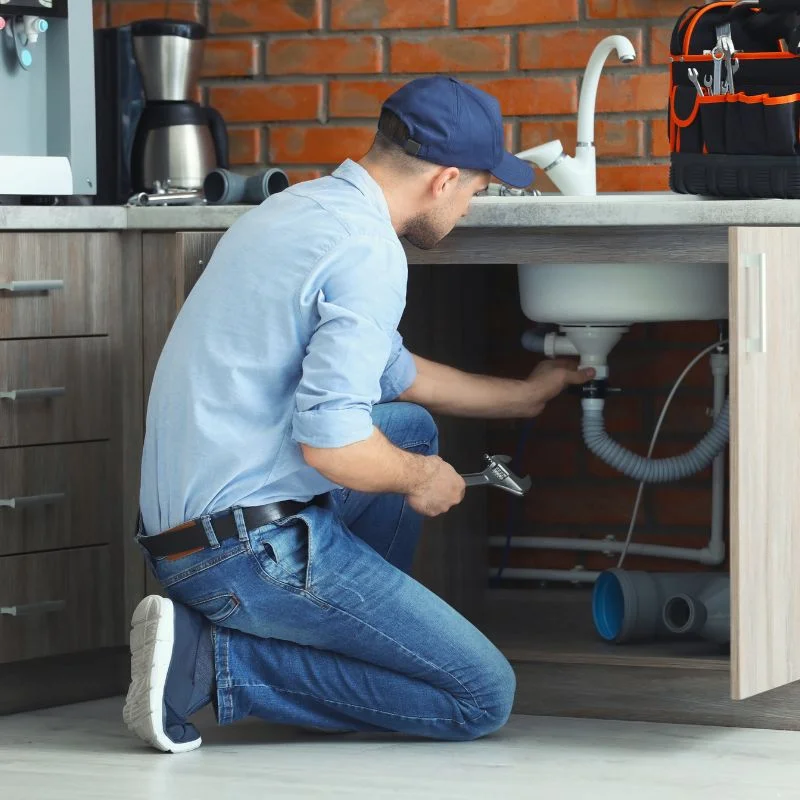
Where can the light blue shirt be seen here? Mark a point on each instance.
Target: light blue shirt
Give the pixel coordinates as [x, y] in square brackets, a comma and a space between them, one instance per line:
[288, 337]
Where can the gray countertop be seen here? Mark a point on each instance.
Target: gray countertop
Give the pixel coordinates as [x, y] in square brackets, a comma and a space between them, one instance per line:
[548, 211]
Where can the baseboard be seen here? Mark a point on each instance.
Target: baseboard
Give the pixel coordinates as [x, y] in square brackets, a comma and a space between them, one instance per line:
[56, 681]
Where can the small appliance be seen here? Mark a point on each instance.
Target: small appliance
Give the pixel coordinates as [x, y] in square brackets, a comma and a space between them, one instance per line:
[153, 137]
[47, 135]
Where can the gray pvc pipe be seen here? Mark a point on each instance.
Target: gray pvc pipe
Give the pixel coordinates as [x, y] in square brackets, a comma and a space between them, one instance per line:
[629, 606]
[705, 613]
[655, 470]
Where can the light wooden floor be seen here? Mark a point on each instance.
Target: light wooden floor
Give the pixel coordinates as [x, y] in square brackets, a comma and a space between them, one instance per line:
[83, 752]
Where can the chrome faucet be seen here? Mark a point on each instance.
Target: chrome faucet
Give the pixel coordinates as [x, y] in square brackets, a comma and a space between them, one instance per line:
[578, 175]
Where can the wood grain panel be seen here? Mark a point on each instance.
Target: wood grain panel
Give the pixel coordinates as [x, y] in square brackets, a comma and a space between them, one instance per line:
[128, 423]
[575, 245]
[83, 261]
[80, 579]
[81, 366]
[765, 459]
[82, 473]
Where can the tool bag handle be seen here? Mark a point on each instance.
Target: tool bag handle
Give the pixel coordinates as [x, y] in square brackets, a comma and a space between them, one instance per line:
[776, 20]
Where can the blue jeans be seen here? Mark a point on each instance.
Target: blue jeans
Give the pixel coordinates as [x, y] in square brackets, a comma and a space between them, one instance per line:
[316, 622]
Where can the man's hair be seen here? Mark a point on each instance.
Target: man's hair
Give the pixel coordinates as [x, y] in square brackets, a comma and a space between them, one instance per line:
[391, 131]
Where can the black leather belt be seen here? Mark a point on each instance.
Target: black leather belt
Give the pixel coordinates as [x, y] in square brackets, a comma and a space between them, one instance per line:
[192, 536]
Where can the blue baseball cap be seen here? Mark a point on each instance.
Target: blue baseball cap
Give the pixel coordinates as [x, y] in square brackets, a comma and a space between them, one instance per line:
[456, 125]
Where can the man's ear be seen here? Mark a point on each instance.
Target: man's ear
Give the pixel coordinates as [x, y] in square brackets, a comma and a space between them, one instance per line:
[444, 180]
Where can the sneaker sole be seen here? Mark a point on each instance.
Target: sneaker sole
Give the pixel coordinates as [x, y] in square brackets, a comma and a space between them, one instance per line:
[152, 637]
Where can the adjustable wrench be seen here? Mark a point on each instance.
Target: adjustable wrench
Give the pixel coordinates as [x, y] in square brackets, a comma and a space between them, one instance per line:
[495, 474]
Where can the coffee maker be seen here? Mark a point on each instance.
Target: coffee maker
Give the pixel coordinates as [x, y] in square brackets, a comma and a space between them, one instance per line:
[153, 137]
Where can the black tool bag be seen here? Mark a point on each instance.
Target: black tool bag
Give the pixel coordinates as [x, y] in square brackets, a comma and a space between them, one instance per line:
[746, 142]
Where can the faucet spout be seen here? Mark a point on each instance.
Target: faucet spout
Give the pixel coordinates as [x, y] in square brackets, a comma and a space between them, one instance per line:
[578, 175]
[591, 79]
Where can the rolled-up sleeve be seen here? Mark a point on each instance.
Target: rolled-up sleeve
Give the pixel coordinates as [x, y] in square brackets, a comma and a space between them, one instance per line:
[359, 301]
[400, 372]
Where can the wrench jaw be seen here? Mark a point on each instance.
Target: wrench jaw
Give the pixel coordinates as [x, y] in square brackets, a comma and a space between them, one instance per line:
[498, 475]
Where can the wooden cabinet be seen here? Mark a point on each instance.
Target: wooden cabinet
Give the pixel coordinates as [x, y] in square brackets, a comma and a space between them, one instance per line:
[69, 460]
[70, 434]
[765, 459]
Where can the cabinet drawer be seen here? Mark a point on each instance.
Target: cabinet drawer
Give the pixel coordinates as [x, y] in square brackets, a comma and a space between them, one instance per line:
[52, 603]
[55, 497]
[62, 390]
[56, 284]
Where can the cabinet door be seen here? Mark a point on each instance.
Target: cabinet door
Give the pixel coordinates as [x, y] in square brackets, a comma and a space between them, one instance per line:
[765, 459]
[172, 263]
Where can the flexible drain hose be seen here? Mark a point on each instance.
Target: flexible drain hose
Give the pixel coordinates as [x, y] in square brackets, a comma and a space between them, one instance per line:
[655, 470]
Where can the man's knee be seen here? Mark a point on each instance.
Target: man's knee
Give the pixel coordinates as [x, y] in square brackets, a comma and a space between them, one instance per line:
[489, 710]
[408, 426]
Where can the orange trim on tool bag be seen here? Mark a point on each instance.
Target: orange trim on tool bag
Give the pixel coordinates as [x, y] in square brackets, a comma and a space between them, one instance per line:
[701, 12]
[781, 99]
[743, 56]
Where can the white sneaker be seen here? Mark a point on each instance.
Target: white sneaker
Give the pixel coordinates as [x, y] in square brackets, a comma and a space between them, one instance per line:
[154, 660]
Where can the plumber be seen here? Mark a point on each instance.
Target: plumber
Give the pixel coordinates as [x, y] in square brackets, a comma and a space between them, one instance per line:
[290, 456]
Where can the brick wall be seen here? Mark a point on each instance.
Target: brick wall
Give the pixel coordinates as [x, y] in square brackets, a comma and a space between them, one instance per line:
[300, 82]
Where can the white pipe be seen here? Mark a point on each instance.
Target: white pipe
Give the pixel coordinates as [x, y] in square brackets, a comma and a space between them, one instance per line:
[551, 344]
[571, 575]
[704, 556]
[716, 544]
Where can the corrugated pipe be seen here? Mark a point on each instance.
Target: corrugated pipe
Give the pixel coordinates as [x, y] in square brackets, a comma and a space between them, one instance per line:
[652, 470]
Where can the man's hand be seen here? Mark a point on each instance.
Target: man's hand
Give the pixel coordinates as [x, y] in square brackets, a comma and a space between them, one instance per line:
[440, 489]
[550, 378]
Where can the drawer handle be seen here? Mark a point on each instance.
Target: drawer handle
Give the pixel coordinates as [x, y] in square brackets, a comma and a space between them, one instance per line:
[45, 607]
[32, 500]
[34, 394]
[31, 286]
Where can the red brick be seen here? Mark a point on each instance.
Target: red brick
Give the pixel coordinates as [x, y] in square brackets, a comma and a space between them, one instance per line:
[617, 9]
[659, 45]
[245, 16]
[583, 504]
[321, 55]
[230, 58]
[701, 333]
[318, 144]
[488, 13]
[359, 98]
[633, 178]
[681, 505]
[530, 96]
[652, 368]
[659, 138]
[451, 53]
[687, 416]
[642, 92]
[122, 13]
[613, 137]
[99, 13]
[380, 14]
[300, 175]
[568, 49]
[244, 145]
[267, 102]
[551, 458]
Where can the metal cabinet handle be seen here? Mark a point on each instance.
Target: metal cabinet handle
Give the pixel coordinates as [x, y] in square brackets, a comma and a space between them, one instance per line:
[33, 394]
[757, 262]
[45, 607]
[31, 286]
[32, 500]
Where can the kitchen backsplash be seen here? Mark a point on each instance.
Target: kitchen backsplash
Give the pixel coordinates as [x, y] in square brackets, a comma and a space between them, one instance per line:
[300, 82]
